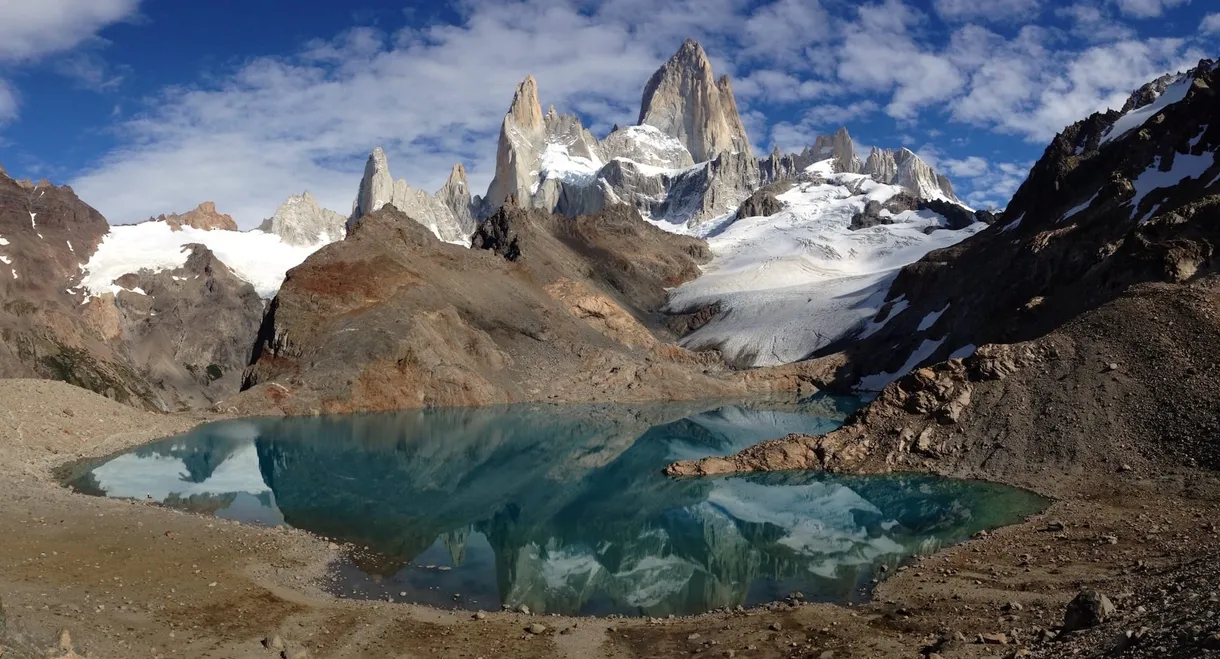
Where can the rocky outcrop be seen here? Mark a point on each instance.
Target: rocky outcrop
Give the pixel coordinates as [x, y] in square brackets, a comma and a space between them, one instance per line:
[204, 217]
[441, 213]
[541, 308]
[763, 203]
[684, 100]
[301, 221]
[189, 330]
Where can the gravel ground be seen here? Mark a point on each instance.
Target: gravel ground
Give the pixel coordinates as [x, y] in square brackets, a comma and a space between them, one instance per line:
[133, 580]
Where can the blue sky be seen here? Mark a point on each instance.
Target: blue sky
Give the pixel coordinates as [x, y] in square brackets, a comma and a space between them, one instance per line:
[151, 106]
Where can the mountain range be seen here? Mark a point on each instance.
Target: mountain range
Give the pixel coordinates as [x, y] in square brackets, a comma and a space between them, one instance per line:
[663, 260]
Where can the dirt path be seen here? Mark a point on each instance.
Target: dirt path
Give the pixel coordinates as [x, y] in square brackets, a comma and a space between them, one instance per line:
[134, 580]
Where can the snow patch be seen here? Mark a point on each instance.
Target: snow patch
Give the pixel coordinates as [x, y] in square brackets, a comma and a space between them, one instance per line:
[262, 259]
[1011, 226]
[70, 248]
[1184, 166]
[3, 242]
[14, 273]
[930, 319]
[964, 352]
[1077, 209]
[882, 380]
[33, 223]
[557, 163]
[874, 326]
[1136, 118]
[1198, 138]
[5, 260]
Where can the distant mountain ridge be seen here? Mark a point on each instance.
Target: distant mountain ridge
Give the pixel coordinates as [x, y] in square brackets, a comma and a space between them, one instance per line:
[687, 161]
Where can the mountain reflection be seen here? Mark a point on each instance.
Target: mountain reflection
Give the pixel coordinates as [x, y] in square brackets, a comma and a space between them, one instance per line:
[563, 508]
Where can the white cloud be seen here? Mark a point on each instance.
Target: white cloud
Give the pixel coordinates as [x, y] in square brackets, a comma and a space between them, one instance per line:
[30, 31]
[277, 125]
[771, 86]
[779, 31]
[1093, 23]
[1147, 8]
[968, 167]
[879, 54]
[8, 102]
[1210, 24]
[995, 10]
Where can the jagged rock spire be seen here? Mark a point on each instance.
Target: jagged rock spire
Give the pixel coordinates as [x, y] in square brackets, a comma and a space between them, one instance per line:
[518, 153]
[840, 147]
[378, 188]
[686, 102]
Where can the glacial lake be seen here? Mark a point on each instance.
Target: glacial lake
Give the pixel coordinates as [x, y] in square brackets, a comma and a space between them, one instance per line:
[563, 508]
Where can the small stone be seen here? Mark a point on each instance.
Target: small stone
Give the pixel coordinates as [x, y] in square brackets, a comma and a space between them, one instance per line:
[479, 615]
[1112, 366]
[273, 643]
[1125, 468]
[1089, 609]
[1013, 606]
[333, 547]
[536, 629]
[775, 627]
[829, 654]
[65, 641]
[993, 639]
[1055, 526]
[523, 609]
[693, 637]
[1111, 539]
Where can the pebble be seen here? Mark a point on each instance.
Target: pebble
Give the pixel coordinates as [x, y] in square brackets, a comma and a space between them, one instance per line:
[523, 609]
[273, 643]
[993, 639]
[537, 629]
[693, 637]
[479, 615]
[775, 627]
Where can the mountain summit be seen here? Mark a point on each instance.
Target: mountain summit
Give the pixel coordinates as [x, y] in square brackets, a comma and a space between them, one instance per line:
[685, 101]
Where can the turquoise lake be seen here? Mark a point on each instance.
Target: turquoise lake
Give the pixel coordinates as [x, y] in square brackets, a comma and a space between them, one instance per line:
[563, 509]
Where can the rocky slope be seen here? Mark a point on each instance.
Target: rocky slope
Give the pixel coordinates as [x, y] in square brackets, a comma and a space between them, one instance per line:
[46, 235]
[145, 314]
[186, 330]
[541, 308]
[1118, 199]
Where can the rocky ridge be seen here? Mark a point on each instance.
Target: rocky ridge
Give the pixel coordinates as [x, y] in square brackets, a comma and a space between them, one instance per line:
[204, 217]
[541, 308]
[1118, 199]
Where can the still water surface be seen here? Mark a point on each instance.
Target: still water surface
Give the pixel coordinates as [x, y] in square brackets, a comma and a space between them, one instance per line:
[563, 508]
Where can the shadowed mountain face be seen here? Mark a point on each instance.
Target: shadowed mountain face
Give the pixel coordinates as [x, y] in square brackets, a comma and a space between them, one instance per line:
[563, 508]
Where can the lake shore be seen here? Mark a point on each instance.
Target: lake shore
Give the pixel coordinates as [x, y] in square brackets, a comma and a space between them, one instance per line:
[134, 580]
